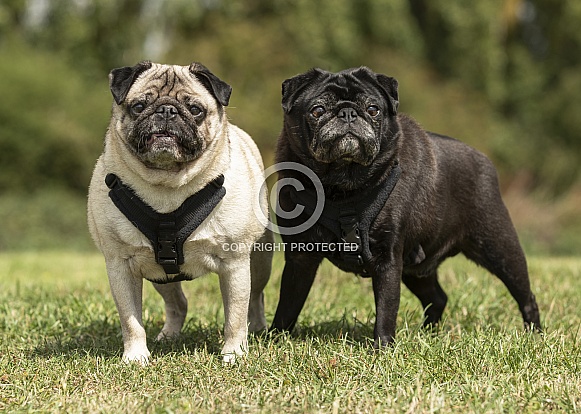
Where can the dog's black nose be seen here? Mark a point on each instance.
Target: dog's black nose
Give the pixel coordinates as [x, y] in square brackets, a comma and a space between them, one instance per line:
[348, 115]
[167, 112]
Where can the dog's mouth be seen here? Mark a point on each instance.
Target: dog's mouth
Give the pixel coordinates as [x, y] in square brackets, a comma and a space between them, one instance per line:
[345, 149]
[165, 147]
[164, 150]
[161, 141]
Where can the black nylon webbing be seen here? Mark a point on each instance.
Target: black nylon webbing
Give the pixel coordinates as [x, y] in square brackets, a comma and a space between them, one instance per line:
[350, 219]
[167, 232]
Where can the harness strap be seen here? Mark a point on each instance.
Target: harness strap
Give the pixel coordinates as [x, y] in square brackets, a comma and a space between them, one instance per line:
[167, 232]
[350, 219]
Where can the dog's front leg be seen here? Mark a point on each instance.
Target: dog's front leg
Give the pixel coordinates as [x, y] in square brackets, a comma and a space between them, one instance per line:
[386, 290]
[127, 293]
[235, 288]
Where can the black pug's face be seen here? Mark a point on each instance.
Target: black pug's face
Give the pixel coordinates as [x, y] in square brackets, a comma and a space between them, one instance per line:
[167, 115]
[341, 118]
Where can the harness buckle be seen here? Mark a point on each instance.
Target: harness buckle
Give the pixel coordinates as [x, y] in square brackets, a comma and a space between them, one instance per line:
[166, 252]
[350, 231]
[350, 234]
[350, 237]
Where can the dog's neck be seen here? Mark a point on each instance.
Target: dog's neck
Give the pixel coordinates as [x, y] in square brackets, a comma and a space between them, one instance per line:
[354, 184]
[345, 182]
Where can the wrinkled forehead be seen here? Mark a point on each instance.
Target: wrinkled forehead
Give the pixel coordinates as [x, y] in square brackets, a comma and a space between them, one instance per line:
[345, 86]
[169, 80]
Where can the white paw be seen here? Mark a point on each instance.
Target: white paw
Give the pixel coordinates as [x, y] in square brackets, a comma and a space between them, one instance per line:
[229, 354]
[137, 356]
[229, 358]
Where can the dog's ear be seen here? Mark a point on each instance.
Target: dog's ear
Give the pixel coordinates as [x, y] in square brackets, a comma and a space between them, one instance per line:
[291, 87]
[389, 86]
[220, 89]
[121, 79]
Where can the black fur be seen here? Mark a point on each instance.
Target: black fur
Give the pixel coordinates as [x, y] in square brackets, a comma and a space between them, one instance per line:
[447, 200]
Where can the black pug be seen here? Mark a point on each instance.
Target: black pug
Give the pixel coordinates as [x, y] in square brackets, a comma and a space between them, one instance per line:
[398, 200]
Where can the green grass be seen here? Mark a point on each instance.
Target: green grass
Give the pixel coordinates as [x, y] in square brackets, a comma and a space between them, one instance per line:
[60, 347]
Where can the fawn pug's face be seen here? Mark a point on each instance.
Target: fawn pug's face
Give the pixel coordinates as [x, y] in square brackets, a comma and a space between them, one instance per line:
[167, 115]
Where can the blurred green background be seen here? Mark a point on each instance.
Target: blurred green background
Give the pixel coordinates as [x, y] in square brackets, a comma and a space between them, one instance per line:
[501, 75]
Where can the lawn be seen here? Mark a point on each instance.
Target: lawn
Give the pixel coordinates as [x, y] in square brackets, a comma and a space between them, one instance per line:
[60, 346]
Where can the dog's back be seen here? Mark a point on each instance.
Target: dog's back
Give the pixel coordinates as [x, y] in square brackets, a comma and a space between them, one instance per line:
[452, 197]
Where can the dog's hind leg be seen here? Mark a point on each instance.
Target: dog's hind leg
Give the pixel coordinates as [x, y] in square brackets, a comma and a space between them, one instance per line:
[430, 293]
[297, 279]
[176, 308]
[496, 248]
[260, 267]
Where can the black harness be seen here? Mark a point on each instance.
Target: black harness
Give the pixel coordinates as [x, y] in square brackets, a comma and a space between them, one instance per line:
[167, 232]
[350, 219]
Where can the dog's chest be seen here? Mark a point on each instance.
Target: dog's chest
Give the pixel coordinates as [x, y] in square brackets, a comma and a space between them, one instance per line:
[201, 256]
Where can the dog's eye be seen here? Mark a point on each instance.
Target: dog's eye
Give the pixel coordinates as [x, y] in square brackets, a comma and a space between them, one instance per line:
[137, 108]
[373, 110]
[195, 110]
[318, 111]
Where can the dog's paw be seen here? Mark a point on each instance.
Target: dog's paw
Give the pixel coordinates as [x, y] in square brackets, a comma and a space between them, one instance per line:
[383, 343]
[229, 359]
[137, 356]
[167, 335]
[230, 355]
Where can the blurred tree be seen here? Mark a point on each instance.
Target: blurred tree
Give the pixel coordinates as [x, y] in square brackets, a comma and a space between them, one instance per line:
[525, 57]
[50, 131]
